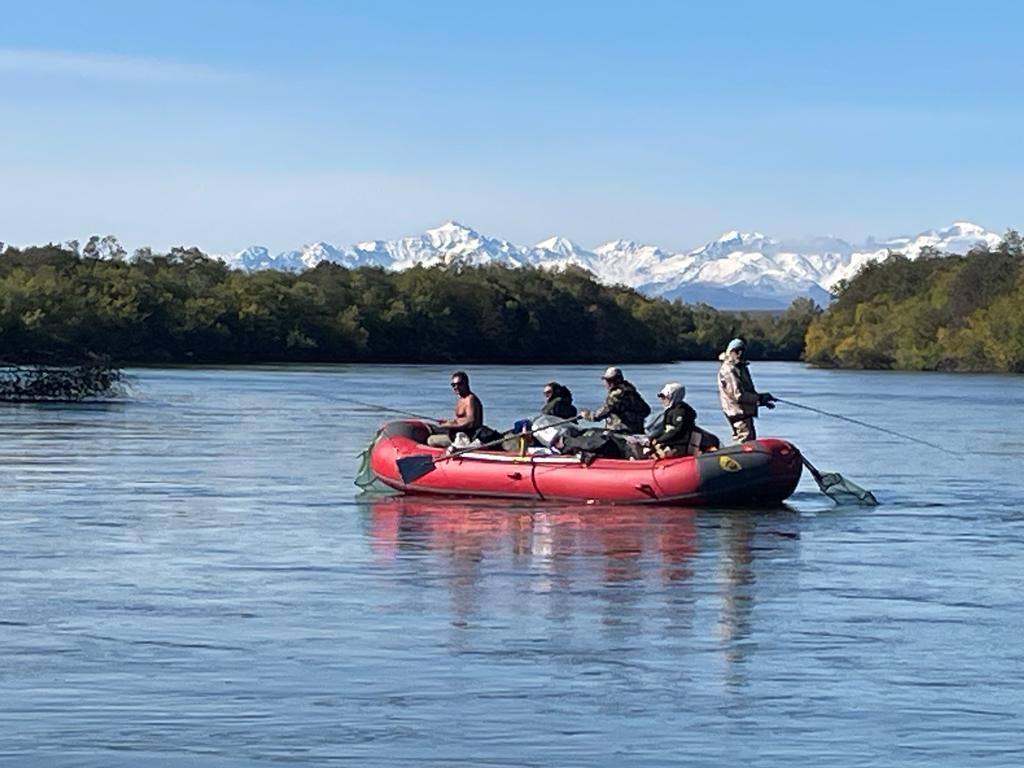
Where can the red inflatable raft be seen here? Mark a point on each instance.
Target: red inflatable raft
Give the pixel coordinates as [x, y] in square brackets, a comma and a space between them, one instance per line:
[759, 472]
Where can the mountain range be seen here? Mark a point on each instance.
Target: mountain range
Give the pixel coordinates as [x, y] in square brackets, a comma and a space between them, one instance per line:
[739, 270]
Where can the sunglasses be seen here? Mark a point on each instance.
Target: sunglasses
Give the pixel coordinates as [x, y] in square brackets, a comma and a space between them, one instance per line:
[456, 384]
[662, 396]
[548, 393]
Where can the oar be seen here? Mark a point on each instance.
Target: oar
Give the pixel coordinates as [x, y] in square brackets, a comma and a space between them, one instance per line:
[865, 424]
[412, 468]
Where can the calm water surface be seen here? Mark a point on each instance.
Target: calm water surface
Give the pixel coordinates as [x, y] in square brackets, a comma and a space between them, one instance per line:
[191, 579]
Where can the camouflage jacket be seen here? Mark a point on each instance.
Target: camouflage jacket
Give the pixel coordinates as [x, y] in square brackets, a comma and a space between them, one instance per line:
[624, 410]
[736, 390]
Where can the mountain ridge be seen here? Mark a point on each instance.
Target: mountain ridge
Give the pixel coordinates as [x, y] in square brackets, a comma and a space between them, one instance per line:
[738, 270]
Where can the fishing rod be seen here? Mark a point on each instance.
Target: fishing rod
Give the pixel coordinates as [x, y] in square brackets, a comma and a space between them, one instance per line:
[375, 406]
[865, 424]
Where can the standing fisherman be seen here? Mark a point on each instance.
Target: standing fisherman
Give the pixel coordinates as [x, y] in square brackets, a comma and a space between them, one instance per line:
[737, 394]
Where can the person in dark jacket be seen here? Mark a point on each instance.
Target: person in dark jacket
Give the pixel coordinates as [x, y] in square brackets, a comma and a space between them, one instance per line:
[558, 401]
[624, 410]
[673, 431]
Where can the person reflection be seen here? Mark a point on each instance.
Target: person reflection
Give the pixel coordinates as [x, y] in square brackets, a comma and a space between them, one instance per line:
[736, 580]
[630, 567]
[558, 547]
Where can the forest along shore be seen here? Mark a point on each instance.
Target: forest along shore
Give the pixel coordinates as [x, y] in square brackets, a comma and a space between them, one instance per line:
[183, 307]
[936, 312]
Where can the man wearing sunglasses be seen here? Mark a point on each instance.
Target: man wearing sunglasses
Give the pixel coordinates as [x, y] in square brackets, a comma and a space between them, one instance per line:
[469, 413]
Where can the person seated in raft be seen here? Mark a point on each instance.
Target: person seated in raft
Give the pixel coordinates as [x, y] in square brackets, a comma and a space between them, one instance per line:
[558, 401]
[468, 418]
[624, 410]
[675, 431]
[671, 431]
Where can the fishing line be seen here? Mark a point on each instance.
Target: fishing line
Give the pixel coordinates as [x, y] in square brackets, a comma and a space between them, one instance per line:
[373, 406]
[869, 426]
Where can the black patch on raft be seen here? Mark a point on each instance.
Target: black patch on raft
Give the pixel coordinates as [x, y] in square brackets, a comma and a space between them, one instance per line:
[733, 475]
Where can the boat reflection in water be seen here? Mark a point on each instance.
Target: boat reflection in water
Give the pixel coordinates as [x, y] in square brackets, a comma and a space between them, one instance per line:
[621, 533]
[685, 580]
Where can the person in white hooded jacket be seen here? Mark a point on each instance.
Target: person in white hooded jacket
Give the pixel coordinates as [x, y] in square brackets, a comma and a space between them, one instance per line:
[670, 434]
[675, 432]
[736, 392]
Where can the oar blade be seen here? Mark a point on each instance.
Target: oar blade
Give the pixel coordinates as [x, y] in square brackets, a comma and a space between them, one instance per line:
[412, 468]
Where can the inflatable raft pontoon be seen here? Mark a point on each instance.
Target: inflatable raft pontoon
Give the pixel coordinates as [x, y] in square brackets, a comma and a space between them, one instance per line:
[762, 471]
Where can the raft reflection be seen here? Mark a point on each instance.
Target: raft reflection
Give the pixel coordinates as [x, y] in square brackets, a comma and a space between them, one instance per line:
[686, 581]
[591, 578]
[622, 535]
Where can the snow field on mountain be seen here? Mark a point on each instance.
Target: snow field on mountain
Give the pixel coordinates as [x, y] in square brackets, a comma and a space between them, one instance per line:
[739, 270]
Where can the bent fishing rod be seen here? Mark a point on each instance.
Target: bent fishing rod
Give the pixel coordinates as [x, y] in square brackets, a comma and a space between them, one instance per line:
[865, 424]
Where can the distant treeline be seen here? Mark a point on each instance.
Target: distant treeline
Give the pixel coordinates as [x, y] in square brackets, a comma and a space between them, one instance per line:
[65, 303]
[937, 312]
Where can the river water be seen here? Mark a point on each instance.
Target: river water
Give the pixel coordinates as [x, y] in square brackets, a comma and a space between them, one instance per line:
[189, 578]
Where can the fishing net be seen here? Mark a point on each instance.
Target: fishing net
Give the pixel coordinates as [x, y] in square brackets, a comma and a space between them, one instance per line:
[841, 490]
[365, 479]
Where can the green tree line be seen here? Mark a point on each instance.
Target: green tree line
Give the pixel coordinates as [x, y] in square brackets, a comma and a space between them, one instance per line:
[936, 312]
[63, 302]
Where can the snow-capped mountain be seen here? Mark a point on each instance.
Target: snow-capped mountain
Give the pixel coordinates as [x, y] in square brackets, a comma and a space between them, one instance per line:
[750, 270]
[738, 270]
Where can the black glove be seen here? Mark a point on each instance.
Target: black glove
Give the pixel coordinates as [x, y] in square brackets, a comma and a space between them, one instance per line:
[766, 399]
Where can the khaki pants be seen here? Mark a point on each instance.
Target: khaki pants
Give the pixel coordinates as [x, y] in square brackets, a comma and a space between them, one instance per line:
[743, 430]
[439, 441]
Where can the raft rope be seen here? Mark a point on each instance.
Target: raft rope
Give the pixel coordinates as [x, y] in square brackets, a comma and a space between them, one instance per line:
[869, 426]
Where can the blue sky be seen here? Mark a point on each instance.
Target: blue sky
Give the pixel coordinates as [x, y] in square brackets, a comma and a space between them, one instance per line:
[230, 123]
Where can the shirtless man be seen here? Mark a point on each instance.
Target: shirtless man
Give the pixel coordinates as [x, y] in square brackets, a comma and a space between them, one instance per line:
[469, 413]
